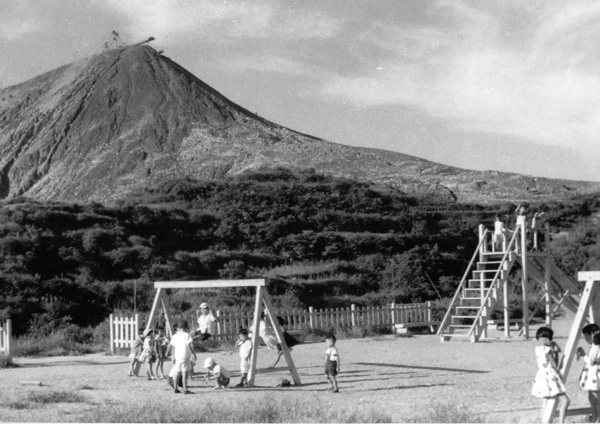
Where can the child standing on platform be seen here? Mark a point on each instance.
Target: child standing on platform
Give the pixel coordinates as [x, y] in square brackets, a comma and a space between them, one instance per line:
[548, 383]
[332, 362]
[245, 345]
[589, 379]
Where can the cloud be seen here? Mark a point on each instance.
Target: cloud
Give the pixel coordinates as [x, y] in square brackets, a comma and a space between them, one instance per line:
[18, 19]
[482, 70]
[212, 20]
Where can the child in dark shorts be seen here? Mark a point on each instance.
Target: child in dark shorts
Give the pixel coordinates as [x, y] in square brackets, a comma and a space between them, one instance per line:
[332, 363]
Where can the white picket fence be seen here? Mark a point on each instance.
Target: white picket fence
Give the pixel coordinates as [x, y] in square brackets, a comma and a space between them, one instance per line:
[5, 337]
[124, 330]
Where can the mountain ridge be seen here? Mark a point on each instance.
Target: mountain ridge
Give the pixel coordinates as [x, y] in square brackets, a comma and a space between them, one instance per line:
[111, 124]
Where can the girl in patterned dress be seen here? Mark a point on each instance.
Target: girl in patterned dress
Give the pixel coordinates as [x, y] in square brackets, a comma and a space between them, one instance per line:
[162, 346]
[548, 384]
[149, 353]
[589, 379]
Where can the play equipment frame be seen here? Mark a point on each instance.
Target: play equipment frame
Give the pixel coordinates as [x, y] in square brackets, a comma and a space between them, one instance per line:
[588, 312]
[263, 302]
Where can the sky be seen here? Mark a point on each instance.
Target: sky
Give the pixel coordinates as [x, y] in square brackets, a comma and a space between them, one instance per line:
[483, 84]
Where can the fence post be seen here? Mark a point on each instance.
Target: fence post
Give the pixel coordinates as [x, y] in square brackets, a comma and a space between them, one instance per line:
[393, 313]
[353, 309]
[219, 322]
[429, 311]
[112, 334]
[311, 317]
[136, 325]
[8, 336]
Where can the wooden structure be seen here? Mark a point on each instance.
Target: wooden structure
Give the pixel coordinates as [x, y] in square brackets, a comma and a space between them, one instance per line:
[123, 331]
[478, 296]
[5, 337]
[263, 302]
[588, 312]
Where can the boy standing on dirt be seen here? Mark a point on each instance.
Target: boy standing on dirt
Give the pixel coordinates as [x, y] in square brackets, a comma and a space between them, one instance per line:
[183, 351]
[332, 363]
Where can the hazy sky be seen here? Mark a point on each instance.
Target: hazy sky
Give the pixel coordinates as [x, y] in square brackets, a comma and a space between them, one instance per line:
[505, 85]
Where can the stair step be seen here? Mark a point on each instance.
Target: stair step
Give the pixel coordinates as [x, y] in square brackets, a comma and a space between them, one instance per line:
[460, 326]
[469, 307]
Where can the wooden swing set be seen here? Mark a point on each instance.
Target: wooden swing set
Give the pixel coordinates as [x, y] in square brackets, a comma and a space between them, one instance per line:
[588, 312]
[263, 302]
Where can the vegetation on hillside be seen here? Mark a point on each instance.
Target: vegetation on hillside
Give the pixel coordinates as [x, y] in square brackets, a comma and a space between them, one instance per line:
[320, 241]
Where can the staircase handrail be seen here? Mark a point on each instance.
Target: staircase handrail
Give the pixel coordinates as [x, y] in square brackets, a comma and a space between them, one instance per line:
[462, 283]
[494, 280]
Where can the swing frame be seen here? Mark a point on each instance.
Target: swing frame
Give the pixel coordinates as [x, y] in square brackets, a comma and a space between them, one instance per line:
[262, 303]
[588, 312]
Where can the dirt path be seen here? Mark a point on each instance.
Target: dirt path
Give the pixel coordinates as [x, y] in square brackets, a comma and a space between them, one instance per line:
[400, 376]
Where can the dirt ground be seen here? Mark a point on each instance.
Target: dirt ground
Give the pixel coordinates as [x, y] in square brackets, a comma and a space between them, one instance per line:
[397, 375]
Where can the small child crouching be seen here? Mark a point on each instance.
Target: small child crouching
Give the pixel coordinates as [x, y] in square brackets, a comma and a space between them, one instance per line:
[216, 372]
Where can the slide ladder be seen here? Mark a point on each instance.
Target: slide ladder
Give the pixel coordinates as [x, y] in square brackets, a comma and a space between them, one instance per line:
[476, 297]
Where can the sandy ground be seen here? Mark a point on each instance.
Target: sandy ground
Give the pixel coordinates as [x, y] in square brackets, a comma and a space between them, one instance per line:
[396, 375]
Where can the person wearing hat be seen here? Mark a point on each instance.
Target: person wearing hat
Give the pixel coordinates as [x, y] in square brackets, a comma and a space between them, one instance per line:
[216, 372]
[206, 322]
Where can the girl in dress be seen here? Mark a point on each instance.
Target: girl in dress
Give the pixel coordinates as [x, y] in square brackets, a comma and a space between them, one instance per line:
[589, 379]
[548, 384]
[149, 353]
[162, 346]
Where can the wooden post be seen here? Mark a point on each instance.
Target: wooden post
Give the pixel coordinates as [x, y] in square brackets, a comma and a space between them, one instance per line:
[524, 279]
[354, 320]
[393, 314]
[548, 286]
[590, 292]
[8, 337]
[112, 333]
[483, 247]
[279, 333]
[505, 307]
[258, 308]
[312, 318]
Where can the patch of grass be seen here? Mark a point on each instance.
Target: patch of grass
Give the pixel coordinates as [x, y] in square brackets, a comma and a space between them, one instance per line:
[445, 413]
[58, 396]
[58, 343]
[85, 387]
[6, 361]
[264, 410]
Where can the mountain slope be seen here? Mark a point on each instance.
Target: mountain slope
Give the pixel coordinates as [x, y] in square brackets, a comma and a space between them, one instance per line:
[102, 127]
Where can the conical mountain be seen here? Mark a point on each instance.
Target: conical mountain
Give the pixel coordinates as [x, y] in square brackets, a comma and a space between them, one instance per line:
[103, 127]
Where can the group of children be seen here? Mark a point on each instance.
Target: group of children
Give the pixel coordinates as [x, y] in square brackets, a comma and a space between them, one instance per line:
[548, 382]
[150, 349]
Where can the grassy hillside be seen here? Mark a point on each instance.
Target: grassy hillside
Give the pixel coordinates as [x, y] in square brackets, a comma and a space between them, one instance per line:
[319, 240]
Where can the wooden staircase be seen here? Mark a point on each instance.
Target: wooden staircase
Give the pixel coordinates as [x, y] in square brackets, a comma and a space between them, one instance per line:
[478, 297]
[487, 274]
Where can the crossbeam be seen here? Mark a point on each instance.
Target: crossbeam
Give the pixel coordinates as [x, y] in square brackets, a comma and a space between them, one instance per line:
[208, 284]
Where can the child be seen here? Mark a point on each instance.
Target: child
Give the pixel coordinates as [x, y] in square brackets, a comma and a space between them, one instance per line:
[162, 345]
[332, 363]
[216, 372]
[548, 383]
[137, 346]
[149, 353]
[589, 379]
[206, 322]
[245, 345]
[183, 352]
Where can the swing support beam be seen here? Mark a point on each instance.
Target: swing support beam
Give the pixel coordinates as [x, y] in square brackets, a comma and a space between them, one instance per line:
[588, 312]
[263, 302]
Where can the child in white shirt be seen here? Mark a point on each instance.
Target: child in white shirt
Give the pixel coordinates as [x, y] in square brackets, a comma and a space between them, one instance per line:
[216, 372]
[245, 345]
[183, 352]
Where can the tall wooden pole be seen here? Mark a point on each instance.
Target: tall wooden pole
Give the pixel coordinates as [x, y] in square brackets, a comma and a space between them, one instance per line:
[524, 278]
